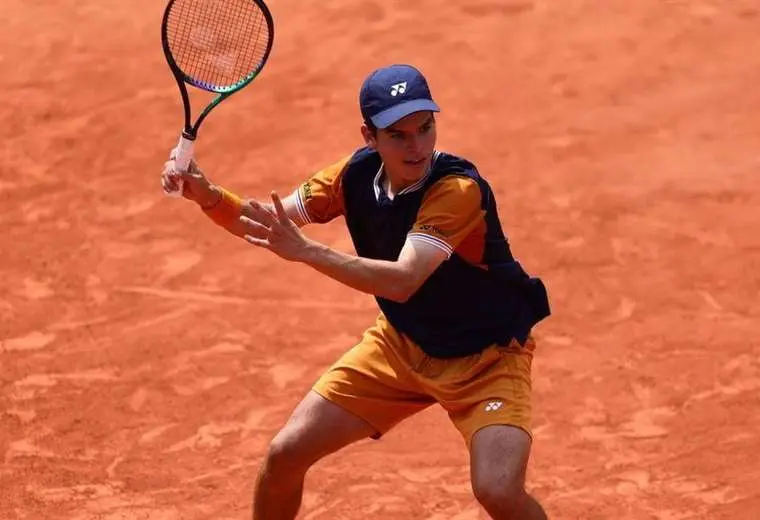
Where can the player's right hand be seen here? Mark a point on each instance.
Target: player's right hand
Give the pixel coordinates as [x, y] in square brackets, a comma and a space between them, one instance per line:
[196, 186]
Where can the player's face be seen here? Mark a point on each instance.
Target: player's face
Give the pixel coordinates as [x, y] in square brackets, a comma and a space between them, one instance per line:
[406, 146]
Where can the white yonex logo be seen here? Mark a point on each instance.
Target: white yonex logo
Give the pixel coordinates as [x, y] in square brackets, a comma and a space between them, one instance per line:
[492, 406]
[398, 88]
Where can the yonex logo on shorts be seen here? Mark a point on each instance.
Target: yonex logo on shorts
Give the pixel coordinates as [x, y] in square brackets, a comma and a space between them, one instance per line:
[492, 406]
[398, 88]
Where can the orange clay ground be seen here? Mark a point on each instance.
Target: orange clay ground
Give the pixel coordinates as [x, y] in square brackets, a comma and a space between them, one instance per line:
[147, 357]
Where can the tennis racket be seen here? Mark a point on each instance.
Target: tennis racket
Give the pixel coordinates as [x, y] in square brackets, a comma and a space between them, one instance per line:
[219, 46]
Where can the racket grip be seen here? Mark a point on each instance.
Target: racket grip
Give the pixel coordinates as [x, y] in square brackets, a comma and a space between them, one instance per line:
[183, 154]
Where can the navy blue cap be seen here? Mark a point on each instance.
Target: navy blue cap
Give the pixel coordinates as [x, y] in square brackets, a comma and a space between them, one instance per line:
[394, 92]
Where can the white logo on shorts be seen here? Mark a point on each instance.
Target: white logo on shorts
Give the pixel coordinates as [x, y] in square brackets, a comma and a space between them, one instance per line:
[398, 88]
[492, 406]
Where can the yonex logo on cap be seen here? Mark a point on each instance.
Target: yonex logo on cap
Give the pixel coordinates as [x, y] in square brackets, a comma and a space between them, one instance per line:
[391, 93]
[398, 88]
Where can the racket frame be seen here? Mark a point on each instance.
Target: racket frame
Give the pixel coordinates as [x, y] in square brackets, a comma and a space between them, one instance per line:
[184, 148]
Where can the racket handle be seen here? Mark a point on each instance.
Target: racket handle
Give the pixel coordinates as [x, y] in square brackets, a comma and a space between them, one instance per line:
[183, 154]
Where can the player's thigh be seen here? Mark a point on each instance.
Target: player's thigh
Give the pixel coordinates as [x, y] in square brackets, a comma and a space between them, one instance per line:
[316, 428]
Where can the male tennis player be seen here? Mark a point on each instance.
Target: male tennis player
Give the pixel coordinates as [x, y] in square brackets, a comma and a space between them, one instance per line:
[456, 308]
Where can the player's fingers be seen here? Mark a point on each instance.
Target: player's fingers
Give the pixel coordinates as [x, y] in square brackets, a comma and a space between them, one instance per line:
[193, 168]
[186, 175]
[279, 208]
[261, 242]
[255, 228]
[261, 214]
[175, 176]
[168, 180]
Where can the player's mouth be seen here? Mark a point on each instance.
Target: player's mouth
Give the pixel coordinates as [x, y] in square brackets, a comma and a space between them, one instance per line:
[418, 162]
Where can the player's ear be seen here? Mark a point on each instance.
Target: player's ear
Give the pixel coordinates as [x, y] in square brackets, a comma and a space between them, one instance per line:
[370, 136]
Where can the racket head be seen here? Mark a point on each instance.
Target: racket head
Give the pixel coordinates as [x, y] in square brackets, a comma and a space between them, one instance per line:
[217, 45]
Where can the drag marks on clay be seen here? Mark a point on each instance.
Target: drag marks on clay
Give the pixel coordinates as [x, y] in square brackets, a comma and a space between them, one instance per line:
[319, 509]
[643, 424]
[738, 376]
[423, 475]
[86, 377]
[32, 341]
[23, 416]
[34, 289]
[212, 435]
[154, 433]
[78, 492]
[248, 467]
[70, 324]
[498, 8]
[209, 436]
[26, 448]
[36, 386]
[160, 319]
[198, 385]
[284, 374]
[469, 513]
[138, 399]
[625, 309]
[178, 263]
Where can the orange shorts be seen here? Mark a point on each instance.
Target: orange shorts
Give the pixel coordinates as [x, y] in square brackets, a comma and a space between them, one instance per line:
[387, 378]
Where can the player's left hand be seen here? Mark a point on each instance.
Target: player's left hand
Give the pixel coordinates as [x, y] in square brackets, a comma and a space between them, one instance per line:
[273, 230]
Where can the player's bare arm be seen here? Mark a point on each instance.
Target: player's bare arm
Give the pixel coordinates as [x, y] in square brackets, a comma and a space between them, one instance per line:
[198, 188]
[395, 280]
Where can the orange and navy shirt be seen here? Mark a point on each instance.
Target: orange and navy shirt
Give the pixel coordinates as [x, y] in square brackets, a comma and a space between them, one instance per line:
[480, 295]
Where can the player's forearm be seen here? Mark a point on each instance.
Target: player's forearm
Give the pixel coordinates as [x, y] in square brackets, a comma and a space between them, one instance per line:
[225, 209]
[377, 277]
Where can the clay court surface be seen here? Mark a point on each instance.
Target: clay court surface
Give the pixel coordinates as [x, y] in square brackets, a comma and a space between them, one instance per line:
[147, 357]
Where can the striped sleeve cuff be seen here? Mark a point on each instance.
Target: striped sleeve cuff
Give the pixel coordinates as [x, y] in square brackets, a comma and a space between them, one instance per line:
[433, 241]
[301, 207]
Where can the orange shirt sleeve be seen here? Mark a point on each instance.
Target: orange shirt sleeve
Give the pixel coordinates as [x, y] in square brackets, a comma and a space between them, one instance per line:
[320, 198]
[450, 212]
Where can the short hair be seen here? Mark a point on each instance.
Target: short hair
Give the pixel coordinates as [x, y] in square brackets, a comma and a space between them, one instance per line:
[371, 126]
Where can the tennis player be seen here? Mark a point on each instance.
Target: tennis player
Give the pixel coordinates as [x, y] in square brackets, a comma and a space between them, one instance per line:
[456, 308]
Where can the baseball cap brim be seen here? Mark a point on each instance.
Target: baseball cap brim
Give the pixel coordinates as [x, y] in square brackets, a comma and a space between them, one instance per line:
[387, 117]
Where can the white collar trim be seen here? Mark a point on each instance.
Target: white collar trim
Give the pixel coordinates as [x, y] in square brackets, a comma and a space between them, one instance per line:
[377, 183]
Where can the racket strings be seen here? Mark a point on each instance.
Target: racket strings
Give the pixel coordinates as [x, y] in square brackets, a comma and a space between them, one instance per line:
[218, 43]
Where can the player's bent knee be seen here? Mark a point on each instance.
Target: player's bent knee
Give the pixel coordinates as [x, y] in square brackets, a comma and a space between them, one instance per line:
[287, 455]
[499, 497]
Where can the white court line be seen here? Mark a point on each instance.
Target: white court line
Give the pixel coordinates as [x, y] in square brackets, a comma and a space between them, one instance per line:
[188, 296]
